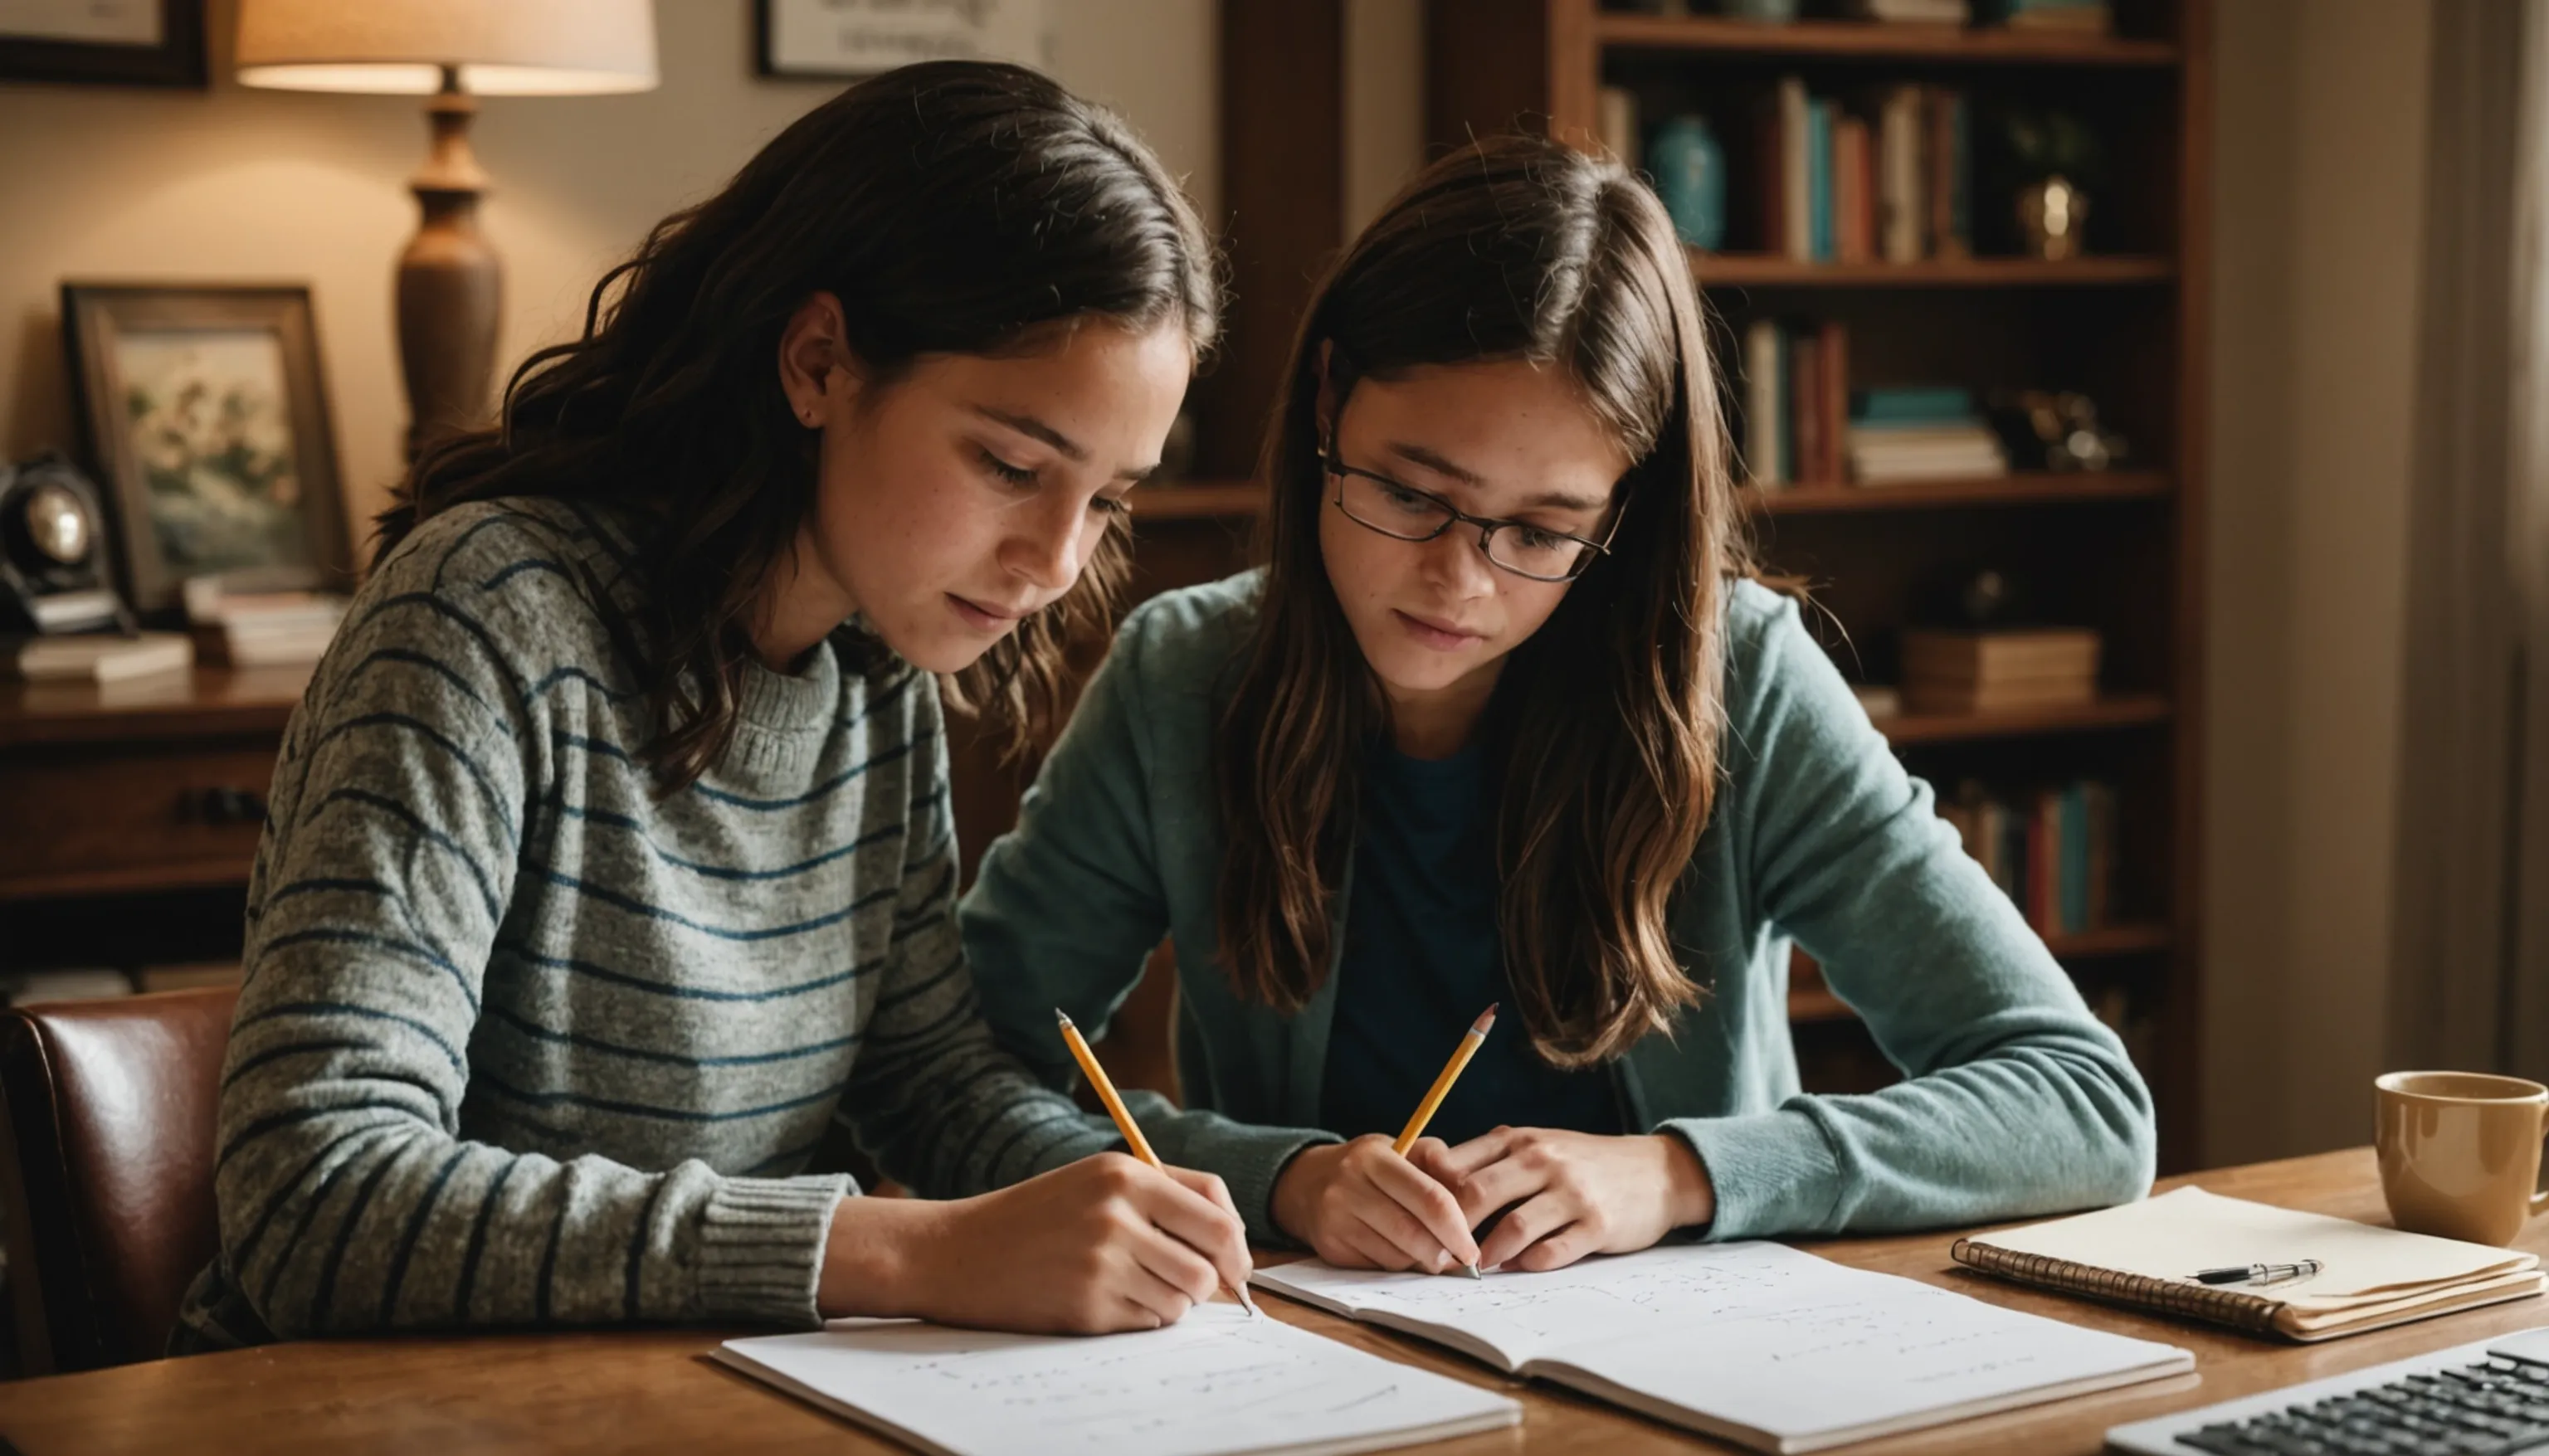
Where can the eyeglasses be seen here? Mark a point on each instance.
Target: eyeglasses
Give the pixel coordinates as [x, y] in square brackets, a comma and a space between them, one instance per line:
[1378, 504]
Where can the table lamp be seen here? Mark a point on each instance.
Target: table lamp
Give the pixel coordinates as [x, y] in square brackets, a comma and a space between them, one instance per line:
[449, 283]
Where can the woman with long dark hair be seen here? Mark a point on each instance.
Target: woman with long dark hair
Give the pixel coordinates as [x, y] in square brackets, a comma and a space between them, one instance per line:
[611, 857]
[1506, 717]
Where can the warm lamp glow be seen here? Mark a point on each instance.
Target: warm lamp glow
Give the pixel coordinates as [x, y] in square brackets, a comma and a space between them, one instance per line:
[497, 48]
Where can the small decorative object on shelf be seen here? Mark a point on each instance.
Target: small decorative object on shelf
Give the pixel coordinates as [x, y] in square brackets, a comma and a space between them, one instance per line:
[1768, 12]
[1912, 12]
[1689, 169]
[2056, 430]
[1616, 125]
[2050, 158]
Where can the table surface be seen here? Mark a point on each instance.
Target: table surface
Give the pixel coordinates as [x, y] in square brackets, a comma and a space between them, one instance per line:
[657, 1390]
[195, 703]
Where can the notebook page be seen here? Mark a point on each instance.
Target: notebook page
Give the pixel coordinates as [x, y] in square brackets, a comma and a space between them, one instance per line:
[1214, 1384]
[1525, 1316]
[2172, 1235]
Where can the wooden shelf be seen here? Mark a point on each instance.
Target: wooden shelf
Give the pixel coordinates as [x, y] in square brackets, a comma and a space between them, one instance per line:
[1199, 500]
[1764, 270]
[2113, 713]
[2028, 489]
[1867, 41]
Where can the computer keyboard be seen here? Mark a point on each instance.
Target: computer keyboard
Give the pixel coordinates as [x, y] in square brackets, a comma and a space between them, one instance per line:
[2489, 1397]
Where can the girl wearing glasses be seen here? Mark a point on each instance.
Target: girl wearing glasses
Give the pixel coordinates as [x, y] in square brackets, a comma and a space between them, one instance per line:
[1506, 719]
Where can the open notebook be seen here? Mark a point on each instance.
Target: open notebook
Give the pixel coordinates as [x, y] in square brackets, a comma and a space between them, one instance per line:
[1756, 1344]
[2141, 1255]
[1215, 1382]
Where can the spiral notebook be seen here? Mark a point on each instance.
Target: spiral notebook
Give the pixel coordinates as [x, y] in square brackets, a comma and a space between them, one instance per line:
[2142, 1255]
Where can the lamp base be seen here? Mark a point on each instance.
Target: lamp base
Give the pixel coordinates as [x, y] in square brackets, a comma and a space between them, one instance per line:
[451, 285]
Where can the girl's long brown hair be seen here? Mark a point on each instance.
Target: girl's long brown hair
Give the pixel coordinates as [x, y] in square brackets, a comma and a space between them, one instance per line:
[1604, 728]
[953, 208]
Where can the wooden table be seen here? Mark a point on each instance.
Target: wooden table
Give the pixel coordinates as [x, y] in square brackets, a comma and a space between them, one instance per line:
[656, 1389]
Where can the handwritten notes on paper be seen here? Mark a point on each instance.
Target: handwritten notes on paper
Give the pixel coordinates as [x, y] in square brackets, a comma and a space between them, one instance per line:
[1216, 1382]
[1754, 1341]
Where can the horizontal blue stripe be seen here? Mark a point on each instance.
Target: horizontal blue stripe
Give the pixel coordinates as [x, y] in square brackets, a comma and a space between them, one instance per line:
[276, 1121]
[611, 819]
[635, 906]
[541, 958]
[820, 790]
[895, 995]
[424, 660]
[435, 735]
[366, 1013]
[336, 935]
[432, 602]
[530, 564]
[556, 675]
[432, 835]
[540, 1033]
[644, 1109]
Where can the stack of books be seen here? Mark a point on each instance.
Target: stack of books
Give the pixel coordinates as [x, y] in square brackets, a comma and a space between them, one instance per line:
[1905, 435]
[2053, 852]
[1796, 401]
[2009, 670]
[2069, 17]
[1893, 180]
[260, 628]
[1912, 12]
[94, 657]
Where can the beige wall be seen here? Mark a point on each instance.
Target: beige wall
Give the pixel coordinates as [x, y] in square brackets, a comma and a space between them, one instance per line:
[2319, 181]
[238, 184]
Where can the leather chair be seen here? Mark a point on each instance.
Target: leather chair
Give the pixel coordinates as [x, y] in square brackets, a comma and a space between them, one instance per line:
[107, 1169]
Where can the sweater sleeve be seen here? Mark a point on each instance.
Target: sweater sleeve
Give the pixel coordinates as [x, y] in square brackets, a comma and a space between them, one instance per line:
[2017, 1101]
[349, 1201]
[932, 1099]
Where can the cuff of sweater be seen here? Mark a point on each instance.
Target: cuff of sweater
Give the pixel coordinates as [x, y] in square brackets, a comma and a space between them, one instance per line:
[1773, 1172]
[761, 1249]
[1249, 1160]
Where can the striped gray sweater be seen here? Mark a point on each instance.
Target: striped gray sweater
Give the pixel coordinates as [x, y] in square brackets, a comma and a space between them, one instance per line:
[523, 1044]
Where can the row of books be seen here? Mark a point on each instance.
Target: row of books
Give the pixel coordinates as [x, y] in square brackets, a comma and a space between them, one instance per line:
[1802, 422]
[260, 628]
[1890, 180]
[2051, 850]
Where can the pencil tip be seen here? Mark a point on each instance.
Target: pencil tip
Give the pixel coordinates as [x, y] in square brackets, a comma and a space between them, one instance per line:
[1062, 1016]
[1486, 1019]
[1472, 1271]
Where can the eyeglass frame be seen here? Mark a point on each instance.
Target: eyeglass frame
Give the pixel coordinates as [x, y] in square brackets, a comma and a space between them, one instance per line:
[1487, 525]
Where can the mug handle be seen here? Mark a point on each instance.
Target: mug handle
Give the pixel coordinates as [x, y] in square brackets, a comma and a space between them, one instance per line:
[2540, 1198]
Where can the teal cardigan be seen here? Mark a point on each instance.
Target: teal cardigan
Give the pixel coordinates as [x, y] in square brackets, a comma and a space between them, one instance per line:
[2017, 1101]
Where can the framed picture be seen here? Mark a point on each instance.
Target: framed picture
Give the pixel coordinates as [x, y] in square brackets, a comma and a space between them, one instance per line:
[116, 42]
[206, 416]
[840, 40]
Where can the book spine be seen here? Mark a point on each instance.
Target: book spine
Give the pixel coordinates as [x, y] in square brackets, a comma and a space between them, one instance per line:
[2221, 1306]
[1796, 203]
[2075, 859]
[1805, 390]
[1819, 174]
[1761, 401]
[1786, 380]
[1835, 398]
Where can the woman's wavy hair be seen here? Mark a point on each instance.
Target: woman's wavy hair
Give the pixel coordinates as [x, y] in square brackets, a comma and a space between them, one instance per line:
[1603, 732]
[953, 207]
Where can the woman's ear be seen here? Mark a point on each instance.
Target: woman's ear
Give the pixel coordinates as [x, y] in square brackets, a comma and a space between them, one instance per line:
[816, 370]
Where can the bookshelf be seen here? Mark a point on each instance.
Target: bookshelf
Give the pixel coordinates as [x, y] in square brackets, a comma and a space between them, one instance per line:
[2120, 551]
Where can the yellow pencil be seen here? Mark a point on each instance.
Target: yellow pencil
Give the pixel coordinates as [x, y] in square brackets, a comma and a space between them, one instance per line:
[1124, 1122]
[1442, 1088]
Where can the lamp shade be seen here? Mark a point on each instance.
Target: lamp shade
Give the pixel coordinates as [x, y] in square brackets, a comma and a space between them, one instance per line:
[500, 47]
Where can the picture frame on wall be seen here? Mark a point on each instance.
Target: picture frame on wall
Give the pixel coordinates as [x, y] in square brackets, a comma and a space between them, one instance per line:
[204, 413]
[108, 42]
[844, 40]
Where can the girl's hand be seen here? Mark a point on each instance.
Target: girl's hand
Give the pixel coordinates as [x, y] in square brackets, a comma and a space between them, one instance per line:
[1361, 1206]
[1104, 1245]
[1572, 1194]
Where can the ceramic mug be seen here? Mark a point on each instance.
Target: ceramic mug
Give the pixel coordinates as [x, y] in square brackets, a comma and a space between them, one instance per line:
[2460, 1152]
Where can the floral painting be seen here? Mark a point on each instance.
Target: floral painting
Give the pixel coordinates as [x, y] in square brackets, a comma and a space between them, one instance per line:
[208, 419]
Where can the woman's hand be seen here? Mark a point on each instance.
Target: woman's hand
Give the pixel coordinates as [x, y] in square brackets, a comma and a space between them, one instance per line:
[1570, 1194]
[1104, 1245]
[1361, 1206]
